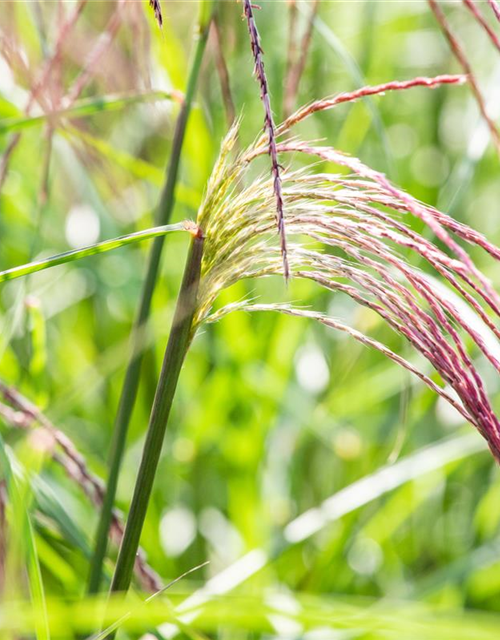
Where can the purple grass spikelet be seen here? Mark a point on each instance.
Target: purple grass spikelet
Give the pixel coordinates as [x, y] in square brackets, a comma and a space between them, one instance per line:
[156, 6]
[484, 24]
[270, 128]
[461, 57]
[496, 8]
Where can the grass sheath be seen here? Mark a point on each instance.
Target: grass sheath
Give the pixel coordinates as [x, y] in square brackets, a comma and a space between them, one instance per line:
[177, 346]
[131, 381]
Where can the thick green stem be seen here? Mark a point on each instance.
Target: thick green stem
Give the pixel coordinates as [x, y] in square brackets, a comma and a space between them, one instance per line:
[131, 381]
[178, 344]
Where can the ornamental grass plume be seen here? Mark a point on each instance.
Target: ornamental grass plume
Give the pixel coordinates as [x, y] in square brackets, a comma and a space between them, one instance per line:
[352, 234]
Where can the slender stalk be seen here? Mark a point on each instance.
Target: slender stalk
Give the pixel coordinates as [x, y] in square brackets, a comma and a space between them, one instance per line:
[156, 6]
[223, 73]
[131, 382]
[297, 69]
[270, 129]
[178, 344]
[482, 21]
[462, 59]
[86, 107]
[291, 54]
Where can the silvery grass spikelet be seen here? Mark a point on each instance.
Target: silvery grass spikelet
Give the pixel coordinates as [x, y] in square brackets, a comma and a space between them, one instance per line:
[432, 295]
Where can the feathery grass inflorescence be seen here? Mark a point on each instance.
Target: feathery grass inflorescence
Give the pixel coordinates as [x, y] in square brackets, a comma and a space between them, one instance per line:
[20, 413]
[461, 56]
[55, 59]
[270, 130]
[365, 92]
[354, 237]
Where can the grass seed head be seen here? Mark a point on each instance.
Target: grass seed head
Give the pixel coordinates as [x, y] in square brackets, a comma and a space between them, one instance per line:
[351, 233]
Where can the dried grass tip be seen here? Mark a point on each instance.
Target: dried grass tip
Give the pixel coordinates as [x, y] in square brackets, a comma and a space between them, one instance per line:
[156, 6]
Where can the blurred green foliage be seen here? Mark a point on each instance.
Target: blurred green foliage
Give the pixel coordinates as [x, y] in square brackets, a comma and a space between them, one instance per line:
[273, 415]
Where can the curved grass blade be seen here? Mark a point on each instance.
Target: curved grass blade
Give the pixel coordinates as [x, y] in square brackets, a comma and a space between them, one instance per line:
[116, 625]
[20, 413]
[36, 584]
[22, 534]
[85, 108]
[77, 254]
